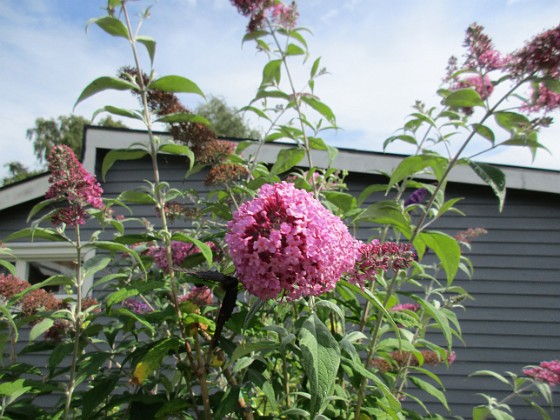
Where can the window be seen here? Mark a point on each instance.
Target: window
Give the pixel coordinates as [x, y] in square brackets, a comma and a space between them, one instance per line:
[35, 262]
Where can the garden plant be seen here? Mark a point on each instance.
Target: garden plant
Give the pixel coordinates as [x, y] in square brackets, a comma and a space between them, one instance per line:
[268, 305]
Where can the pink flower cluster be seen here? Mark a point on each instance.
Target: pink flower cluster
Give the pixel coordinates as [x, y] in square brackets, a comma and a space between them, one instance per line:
[481, 55]
[414, 307]
[285, 244]
[540, 56]
[179, 251]
[482, 84]
[259, 11]
[548, 372]
[199, 295]
[543, 100]
[377, 256]
[71, 182]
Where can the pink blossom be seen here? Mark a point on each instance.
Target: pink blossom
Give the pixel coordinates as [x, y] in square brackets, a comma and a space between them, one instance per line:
[199, 295]
[72, 183]
[540, 56]
[481, 55]
[285, 244]
[414, 307]
[483, 85]
[548, 372]
[376, 256]
[259, 11]
[179, 251]
[543, 100]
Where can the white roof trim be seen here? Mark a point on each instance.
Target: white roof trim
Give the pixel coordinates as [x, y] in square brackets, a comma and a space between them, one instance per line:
[351, 160]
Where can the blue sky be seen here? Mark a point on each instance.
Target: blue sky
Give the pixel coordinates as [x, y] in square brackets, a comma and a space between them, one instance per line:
[381, 57]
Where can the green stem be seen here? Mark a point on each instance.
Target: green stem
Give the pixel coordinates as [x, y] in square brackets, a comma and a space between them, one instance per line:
[372, 347]
[77, 325]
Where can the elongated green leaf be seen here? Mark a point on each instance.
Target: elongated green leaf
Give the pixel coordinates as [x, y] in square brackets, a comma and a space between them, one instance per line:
[120, 154]
[463, 98]
[246, 348]
[294, 50]
[176, 84]
[320, 107]
[388, 212]
[110, 25]
[261, 94]
[183, 117]
[321, 359]
[125, 312]
[57, 280]
[105, 83]
[40, 206]
[490, 373]
[95, 264]
[511, 121]
[440, 319]
[205, 250]
[128, 113]
[36, 232]
[8, 266]
[120, 295]
[494, 177]
[153, 358]
[135, 238]
[430, 389]
[484, 131]
[9, 318]
[415, 164]
[40, 328]
[115, 247]
[14, 389]
[447, 250]
[404, 137]
[95, 396]
[287, 159]
[343, 201]
[180, 150]
[136, 197]
[315, 67]
[150, 45]
[272, 73]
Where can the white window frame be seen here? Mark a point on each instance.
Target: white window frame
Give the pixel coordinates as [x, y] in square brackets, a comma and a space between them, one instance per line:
[26, 252]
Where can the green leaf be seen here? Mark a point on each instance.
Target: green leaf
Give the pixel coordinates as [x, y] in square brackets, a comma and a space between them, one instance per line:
[446, 248]
[511, 121]
[287, 159]
[183, 117]
[272, 72]
[40, 328]
[129, 314]
[40, 206]
[491, 373]
[95, 396]
[415, 164]
[551, 84]
[463, 98]
[136, 197]
[150, 45]
[440, 319]
[36, 232]
[51, 281]
[430, 389]
[321, 359]
[134, 238]
[95, 264]
[494, 177]
[154, 357]
[404, 137]
[8, 266]
[120, 295]
[180, 150]
[14, 389]
[9, 318]
[128, 113]
[205, 250]
[120, 154]
[176, 84]
[320, 107]
[111, 25]
[388, 212]
[484, 131]
[315, 67]
[115, 247]
[294, 50]
[105, 83]
[343, 201]
[246, 348]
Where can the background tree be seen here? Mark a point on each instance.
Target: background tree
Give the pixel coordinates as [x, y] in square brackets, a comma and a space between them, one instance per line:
[225, 120]
[65, 129]
[17, 171]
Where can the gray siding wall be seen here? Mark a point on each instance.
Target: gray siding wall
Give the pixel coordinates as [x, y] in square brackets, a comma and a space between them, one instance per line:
[515, 318]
